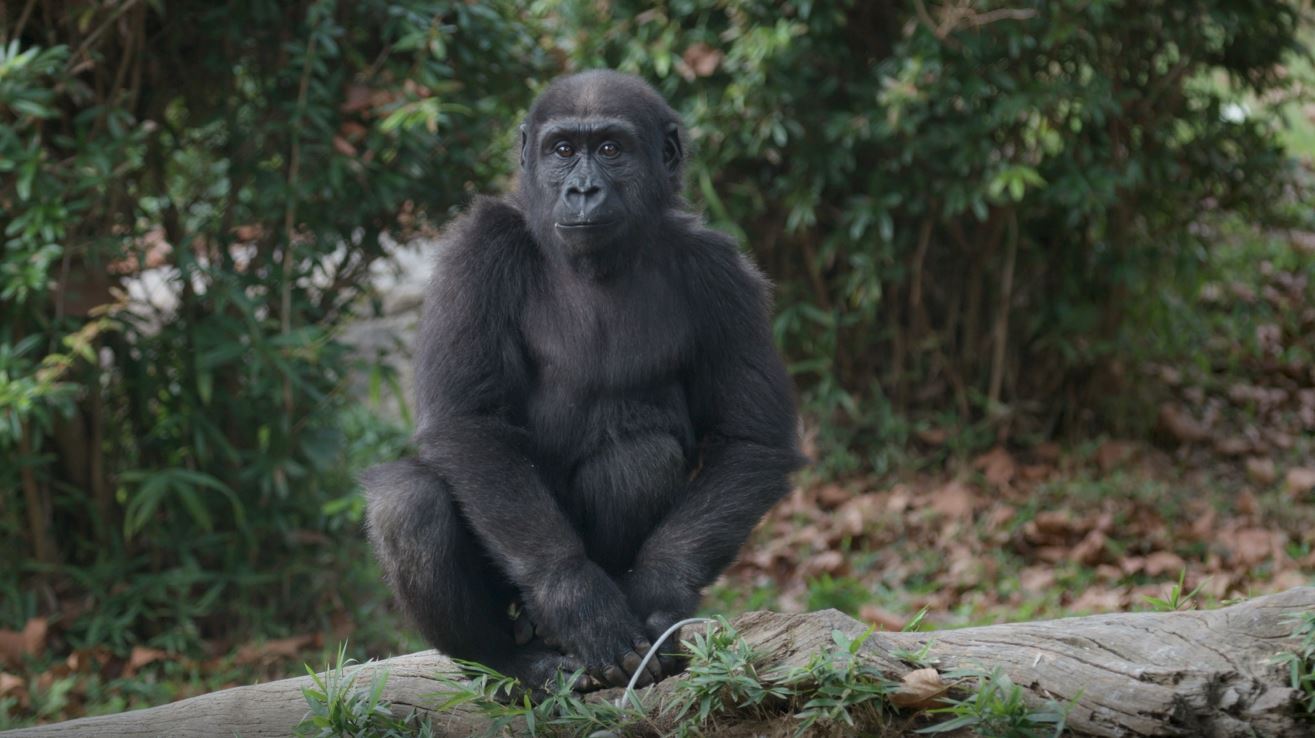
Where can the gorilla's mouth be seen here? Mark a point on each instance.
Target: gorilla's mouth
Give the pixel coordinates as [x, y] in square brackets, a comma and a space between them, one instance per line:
[584, 225]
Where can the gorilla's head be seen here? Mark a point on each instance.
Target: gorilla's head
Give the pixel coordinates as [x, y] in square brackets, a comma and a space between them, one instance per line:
[601, 157]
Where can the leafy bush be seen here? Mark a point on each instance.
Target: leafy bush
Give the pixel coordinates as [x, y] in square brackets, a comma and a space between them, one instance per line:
[964, 205]
[968, 209]
[239, 166]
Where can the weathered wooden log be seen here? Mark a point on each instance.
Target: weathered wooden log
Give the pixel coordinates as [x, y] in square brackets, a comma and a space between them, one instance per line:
[1190, 673]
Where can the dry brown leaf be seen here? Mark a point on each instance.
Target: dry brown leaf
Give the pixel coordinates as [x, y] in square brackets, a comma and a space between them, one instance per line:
[1113, 454]
[881, 617]
[1048, 452]
[1098, 599]
[1288, 579]
[344, 147]
[919, 690]
[1036, 578]
[1299, 480]
[1109, 573]
[832, 495]
[953, 500]
[1052, 554]
[281, 648]
[997, 465]
[1035, 472]
[932, 436]
[1204, 527]
[1091, 549]
[1251, 546]
[702, 59]
[1261, 470]
[10, 683]
[1246, 503]
[901, 499]
[1055, 523]
[34, 636]
[141, 656]
[11, 647]
[1164, 562]
[999, 516]
[14, 645]
[828, 562]
[1233, 446]
[1181, 425]
[852, 518]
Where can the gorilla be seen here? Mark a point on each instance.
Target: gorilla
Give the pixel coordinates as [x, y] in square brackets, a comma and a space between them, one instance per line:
[601, 417]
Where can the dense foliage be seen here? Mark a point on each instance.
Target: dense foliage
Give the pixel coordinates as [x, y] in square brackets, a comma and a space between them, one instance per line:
[962, 205]
[241, 165]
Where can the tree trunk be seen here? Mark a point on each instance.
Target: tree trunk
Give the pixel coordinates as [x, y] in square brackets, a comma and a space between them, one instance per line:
[1191, 673]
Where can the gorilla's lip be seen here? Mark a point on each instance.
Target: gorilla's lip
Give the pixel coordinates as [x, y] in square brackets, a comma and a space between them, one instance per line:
[583, 224]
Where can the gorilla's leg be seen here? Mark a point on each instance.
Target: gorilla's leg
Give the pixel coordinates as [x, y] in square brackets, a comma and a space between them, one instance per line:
[443, 578]
[620, 494]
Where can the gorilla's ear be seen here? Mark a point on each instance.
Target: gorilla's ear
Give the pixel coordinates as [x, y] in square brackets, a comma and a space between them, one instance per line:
[672, 155]
[525, 143]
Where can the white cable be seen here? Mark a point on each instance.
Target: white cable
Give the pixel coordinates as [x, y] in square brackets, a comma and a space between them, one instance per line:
[652, 652]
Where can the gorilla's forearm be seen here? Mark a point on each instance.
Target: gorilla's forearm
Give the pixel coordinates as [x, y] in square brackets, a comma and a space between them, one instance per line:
[500, 494]
[737, 484]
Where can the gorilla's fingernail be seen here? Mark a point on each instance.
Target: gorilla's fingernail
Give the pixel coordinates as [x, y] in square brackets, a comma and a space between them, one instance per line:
[631, 662]
[521, 634]
[614, 676]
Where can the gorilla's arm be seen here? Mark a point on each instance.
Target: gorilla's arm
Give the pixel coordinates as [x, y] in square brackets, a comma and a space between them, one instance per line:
[742, 404]
[471, 380]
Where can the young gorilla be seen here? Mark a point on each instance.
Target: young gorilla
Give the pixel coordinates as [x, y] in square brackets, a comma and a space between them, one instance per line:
[601, 416]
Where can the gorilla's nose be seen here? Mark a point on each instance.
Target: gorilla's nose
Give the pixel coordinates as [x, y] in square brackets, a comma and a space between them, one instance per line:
[583, 196]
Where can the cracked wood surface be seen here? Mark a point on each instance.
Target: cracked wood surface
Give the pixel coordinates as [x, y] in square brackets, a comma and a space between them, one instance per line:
[1195, 673]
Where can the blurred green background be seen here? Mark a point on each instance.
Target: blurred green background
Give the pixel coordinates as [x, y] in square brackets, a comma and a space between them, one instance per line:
[987, 222]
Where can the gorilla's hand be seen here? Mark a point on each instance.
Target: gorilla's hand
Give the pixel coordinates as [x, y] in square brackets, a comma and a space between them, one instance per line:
[660, 602]
[584, 611]
[650, 590]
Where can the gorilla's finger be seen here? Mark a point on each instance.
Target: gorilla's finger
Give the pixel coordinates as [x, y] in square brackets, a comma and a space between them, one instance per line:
[548, 639]
[654, 669]
[672, 664]
[587, 683]
[522, 630]
[630, 661]
[645, 678]
[642, 645]
[613, 676]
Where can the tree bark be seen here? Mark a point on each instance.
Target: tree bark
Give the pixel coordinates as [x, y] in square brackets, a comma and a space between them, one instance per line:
[1190, 673]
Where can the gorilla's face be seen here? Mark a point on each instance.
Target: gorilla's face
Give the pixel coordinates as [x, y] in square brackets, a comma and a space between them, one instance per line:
[601, 159]
[591, 169]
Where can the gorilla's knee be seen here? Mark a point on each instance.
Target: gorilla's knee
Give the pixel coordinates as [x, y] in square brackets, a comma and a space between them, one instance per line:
[396, 492]
[442, 578]
[409, 517]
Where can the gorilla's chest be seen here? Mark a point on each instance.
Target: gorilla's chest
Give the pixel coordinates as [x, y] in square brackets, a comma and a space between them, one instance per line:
[607, 341]
[606, 364]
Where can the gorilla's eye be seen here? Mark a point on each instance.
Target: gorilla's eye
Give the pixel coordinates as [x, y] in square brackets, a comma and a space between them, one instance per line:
[564, 150]
[609, 149]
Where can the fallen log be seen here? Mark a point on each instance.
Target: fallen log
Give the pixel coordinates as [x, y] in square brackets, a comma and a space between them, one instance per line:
[1186, 673]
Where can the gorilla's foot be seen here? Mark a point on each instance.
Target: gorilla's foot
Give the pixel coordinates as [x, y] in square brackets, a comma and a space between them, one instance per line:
[539, 668]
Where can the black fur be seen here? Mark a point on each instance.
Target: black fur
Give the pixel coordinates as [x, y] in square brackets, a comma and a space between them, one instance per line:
[601, 416]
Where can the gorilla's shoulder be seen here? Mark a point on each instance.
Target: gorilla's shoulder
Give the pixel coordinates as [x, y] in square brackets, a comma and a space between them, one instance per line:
[488, 237]
[714, 262]
[493, 218]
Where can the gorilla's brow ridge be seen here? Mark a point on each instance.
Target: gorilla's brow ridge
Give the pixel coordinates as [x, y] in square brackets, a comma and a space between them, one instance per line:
[589, 126]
